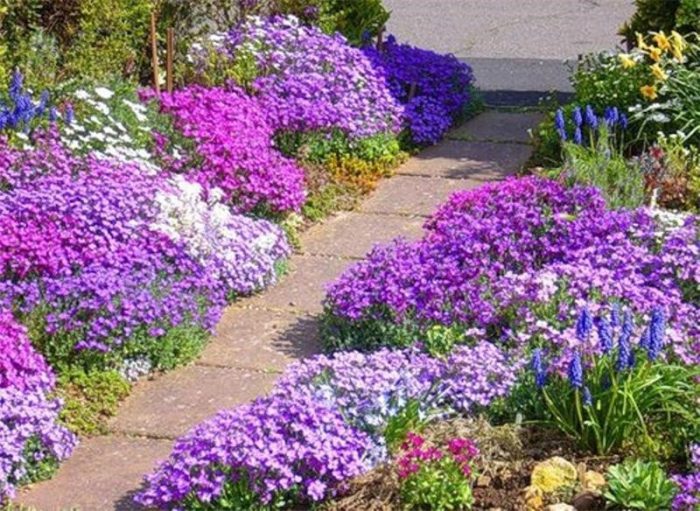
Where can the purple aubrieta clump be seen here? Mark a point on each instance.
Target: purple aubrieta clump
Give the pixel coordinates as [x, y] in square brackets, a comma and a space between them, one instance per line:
[434, 88]
[234, 149]
[29, 427]
[492, 254]
[297, 448]
[688, 495]
[310, 81]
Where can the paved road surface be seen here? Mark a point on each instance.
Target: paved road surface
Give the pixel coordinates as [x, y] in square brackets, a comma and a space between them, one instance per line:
[513, 45]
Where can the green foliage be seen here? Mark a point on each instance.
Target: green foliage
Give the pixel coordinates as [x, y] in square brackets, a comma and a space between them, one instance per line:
[439, 340]
[438, 486]
[90, 399]
[367, 334]
[39, 466]
[649, 409]
[603, 166]
[236, 495]
[639, 485]
[407, 420]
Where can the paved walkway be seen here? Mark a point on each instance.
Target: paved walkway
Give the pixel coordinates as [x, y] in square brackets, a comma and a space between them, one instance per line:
[259, 336]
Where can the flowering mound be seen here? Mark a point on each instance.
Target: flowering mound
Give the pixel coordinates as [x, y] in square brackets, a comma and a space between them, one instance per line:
[133, 254]
[511, 260]
[234, 149]
[268, 452]
[310, 81]
[30, 436]
[433, 88]
[322, 424]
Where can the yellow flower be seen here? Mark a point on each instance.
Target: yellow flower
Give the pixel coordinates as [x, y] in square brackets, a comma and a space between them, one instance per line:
[678, 45]
[662, 41]
[640, 42]
[649, 92]
[655, 53]
[659, 73]
[627, 61]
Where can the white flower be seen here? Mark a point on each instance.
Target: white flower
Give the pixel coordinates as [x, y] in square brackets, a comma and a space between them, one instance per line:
[102, 108]
[81, 94]
[104, 92]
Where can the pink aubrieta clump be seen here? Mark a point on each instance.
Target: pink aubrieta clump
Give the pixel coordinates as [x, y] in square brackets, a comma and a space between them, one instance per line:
[310, 81]
[234, 150]
[30, 432]
[493, 257]
[434, 88]
[295, 449]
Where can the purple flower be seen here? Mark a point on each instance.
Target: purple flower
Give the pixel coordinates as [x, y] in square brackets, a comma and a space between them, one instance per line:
[575, 372]
[577, 117]
[584, 324]
[605, 335]
[538, 368]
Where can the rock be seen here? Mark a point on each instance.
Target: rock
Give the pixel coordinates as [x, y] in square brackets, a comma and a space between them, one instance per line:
[593, 480]
[483, 482]
[533, 498]
[588, 501]
[554, 474]
[560, 507]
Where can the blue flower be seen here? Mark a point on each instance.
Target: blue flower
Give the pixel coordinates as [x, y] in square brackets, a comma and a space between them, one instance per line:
[560, 124]
[612, 116]
[576, 371]
[605, 335]
[591, 118]
[615, 316]
[625, 358]
[584, 325]
[577, 117]
[624, 121]
[538, 368]
[578, 136]
[657, 327]
[587, 397]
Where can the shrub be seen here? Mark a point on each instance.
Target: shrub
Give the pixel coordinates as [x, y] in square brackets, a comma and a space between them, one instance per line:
[33, 441]
[435, 89]
[306, 80]
[639, 485]
[437, 478]
[501, 258]
[272, 453]
[651, 15]
[233, 150]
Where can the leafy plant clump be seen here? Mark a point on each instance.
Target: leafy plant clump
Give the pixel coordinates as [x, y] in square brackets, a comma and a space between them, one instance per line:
[639, 485]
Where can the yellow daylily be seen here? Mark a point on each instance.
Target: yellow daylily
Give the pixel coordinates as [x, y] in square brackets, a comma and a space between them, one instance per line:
[655, 53]
[649, 92]
[661, 40]
[678, 45]
[659, 73]
[640, 42]
[627, 61]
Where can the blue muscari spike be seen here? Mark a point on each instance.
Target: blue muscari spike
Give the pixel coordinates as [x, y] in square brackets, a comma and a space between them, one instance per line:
[645, 339]
[559, 121]
[578, 136]
[591, 118]
[538, 368]
[612, 115]
[624, 354]
[577, 117]
[656, 333]
[16, 82]
[584, 325]
[605, 335]
[615, 316]
[53, 115]
[70, 114]
[576, 371]
[43, 103]
[587, 397]
[624, 121]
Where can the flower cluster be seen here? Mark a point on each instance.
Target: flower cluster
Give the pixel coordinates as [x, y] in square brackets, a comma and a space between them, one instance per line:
[433, 88]
[688, 496]
[515, 259]
[310, 81]
[234, 150]
[21, 113]
[586, 119]
[134, 253]
[30, 434]
[416, 453]
[261, 453]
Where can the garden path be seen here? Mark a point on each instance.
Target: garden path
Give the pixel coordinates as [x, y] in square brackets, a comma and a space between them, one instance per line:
[258, 337]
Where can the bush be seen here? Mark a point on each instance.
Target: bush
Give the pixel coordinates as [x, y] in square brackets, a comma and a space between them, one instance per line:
[655, 16]
[500, 258]
[33, 441]
[639, 485]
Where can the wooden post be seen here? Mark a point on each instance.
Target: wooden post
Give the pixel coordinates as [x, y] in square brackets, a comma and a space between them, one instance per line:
[154, 53]
[169, 59]
[380, 39]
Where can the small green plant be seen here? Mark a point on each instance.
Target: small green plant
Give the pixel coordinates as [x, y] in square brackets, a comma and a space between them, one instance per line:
[639, 485]
[440, 340]
[435, 478]
[90, 399]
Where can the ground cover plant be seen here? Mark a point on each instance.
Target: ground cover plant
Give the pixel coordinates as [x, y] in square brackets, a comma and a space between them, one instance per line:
[590, 342]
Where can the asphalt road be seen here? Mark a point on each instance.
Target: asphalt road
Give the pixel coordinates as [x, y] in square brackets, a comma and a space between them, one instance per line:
[514, 46]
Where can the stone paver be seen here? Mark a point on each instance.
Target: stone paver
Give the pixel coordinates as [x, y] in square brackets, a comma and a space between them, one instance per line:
[261, 339]
[260, 335]
[498, 127]
[304, 287]
[409, 195]
[169, 405]
[477, 160]
[102, 474]
[354, 234]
